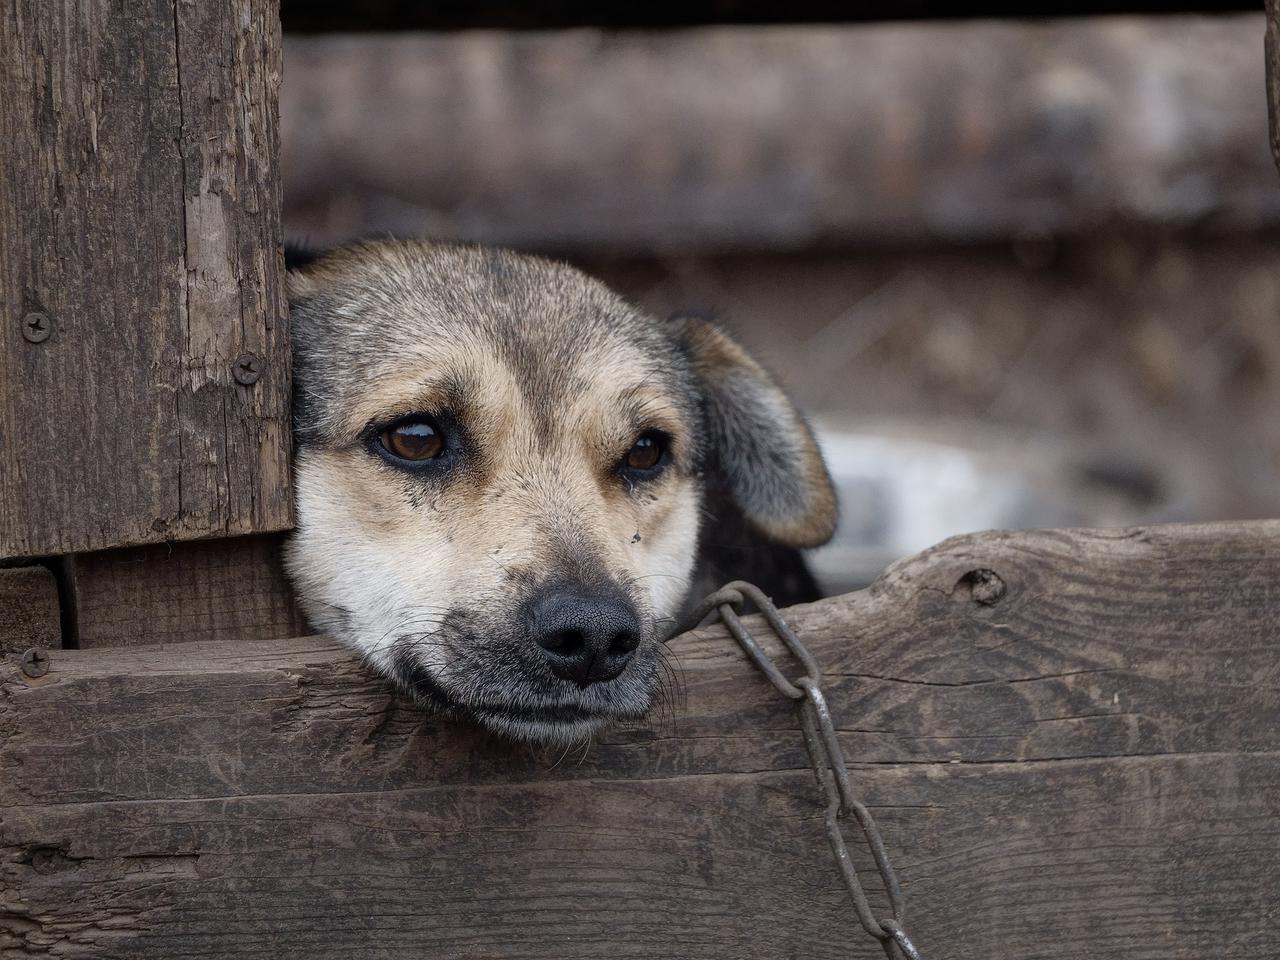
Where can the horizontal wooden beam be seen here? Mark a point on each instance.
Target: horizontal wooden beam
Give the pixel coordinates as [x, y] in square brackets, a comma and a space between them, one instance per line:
[233, 588]
[732, 139]
[1082, 758]
[329, 15]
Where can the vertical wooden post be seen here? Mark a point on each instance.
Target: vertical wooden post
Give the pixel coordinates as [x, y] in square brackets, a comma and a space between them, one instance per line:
[144, 365]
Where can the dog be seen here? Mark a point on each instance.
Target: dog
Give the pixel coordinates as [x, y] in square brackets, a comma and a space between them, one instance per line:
[510, 481]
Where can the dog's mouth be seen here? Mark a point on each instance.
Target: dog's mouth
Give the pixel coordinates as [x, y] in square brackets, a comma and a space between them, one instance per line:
[550, 714]
[530, 708]
[550, 725]
[555, 723]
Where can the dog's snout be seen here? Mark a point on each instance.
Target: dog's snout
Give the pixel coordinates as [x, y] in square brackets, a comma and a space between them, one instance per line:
[586, 636]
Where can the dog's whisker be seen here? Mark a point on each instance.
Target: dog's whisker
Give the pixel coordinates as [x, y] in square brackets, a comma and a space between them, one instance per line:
[564, 753]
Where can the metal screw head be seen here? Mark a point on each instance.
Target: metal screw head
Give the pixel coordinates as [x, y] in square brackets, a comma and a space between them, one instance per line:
[37, 326]
[35, 662]
[246, 369]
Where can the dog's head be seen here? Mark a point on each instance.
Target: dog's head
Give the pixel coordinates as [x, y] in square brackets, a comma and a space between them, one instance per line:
[500, 475]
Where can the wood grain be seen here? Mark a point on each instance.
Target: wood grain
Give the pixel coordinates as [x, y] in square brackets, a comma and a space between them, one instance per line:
[1086, 763]
[730, 139]
[140, 206]
[232, 589]
[29, 615]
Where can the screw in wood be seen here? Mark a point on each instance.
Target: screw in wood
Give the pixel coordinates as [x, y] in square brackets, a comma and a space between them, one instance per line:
[37, 327]
[35, 662]
[246, 369]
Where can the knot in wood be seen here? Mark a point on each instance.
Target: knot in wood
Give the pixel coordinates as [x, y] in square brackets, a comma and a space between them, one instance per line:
[46, 860]
[985, 586]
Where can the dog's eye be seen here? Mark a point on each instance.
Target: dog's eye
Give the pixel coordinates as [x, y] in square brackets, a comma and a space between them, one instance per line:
[413, 440]
[646, 453]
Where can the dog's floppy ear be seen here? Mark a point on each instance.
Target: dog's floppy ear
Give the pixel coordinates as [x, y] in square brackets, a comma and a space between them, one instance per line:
[298, 284]
[761, 453]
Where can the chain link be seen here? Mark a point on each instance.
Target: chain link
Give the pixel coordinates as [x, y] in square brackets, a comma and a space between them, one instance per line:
[826, 755]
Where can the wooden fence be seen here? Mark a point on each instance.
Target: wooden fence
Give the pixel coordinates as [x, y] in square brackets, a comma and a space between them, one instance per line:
[1081, 761]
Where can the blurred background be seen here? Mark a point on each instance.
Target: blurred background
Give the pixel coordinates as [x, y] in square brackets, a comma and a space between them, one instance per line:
[1019, 273]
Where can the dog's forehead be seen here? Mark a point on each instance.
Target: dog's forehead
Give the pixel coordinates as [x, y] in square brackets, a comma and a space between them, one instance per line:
[386, 323]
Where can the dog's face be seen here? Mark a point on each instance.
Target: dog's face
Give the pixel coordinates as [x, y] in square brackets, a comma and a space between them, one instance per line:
[500, 474]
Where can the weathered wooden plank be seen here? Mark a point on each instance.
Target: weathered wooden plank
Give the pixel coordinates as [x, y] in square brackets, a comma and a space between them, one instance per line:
[232, 589]
[140, 207]
[732, 139]
[29, 615]
[1150, 858]
[335, 15]
[1077, 754]
[1104, 645]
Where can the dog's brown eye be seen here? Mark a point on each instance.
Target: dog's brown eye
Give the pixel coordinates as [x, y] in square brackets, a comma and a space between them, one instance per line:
[415, 440]
[645, 454]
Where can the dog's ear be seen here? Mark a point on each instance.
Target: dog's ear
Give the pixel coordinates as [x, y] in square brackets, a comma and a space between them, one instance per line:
[761, 453]
[298, 283]
[298, 286]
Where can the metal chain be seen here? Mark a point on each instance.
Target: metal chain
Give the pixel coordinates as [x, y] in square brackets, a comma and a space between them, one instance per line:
[825, 754]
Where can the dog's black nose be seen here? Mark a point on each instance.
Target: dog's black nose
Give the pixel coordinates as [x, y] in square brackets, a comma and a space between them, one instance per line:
[586, 635]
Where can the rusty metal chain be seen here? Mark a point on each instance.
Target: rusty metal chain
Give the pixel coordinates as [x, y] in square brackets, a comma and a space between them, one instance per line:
[824, 753]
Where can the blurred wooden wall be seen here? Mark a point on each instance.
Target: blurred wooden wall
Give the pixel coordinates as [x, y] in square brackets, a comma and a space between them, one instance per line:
[719, 139]
[1052, 232]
